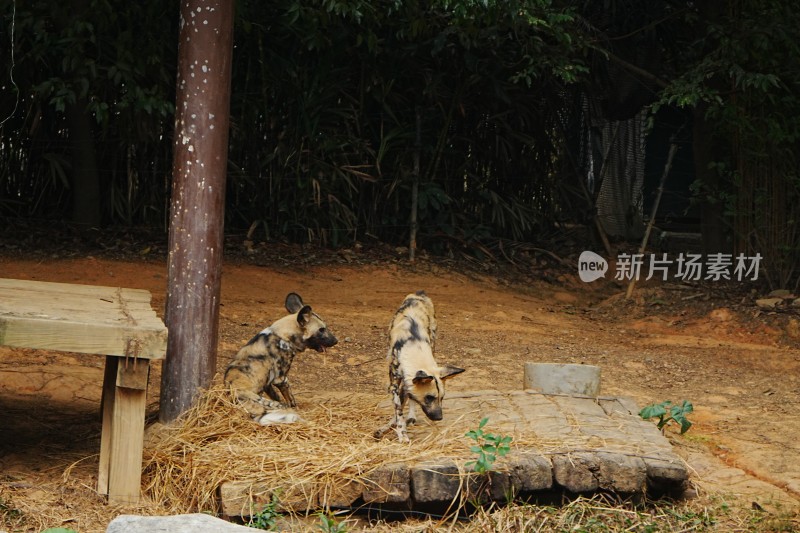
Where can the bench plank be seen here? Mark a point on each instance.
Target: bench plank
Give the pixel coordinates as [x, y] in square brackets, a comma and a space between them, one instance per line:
[114, 322]
[80, 318]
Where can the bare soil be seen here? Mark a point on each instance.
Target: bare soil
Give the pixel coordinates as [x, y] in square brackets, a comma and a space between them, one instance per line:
[706, 343]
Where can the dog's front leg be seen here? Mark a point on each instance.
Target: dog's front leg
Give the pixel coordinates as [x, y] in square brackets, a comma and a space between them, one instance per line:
[272, 392]
[397, 421]
[383, 430]
[412, 414]
[286, 392]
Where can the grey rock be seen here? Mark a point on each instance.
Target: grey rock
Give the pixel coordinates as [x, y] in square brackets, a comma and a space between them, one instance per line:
[188, 523]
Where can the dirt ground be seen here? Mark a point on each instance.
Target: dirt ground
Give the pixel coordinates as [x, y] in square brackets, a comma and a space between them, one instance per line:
[707, 343]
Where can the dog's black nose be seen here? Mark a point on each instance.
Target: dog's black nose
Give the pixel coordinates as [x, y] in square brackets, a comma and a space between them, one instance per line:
[435, 415]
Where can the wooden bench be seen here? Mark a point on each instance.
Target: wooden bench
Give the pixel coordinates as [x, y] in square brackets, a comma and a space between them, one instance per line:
[114, 322]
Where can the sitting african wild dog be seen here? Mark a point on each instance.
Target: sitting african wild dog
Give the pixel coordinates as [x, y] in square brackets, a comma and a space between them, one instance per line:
[262, 365]
[413, 373]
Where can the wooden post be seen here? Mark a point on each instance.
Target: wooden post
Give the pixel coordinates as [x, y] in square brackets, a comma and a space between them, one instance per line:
[124, 475]
[198, 201]
[107, 413]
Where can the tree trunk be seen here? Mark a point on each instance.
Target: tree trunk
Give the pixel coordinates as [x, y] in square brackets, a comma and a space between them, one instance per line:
[198, 201]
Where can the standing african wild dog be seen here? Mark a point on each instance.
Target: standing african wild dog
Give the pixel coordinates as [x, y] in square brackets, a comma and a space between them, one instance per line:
[413, 373]
[263, 363]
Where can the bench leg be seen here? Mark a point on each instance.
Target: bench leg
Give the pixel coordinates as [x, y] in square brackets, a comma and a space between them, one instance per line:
[122, 437]
[107, 413]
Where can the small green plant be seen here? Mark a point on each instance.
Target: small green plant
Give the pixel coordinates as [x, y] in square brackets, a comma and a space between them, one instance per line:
[329, 524]
[666, 413]
[268, 516]
[488, 447]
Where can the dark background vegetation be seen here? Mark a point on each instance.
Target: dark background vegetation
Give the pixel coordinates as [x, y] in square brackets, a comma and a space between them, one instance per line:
[334, 101]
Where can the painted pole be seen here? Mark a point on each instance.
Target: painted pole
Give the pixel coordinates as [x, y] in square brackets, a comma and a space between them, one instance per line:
[197, 205]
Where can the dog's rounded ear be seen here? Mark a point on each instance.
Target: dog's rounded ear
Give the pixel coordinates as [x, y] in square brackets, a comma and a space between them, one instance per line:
[304, 315]
[448, 371]
[421, 378]
[293, 302]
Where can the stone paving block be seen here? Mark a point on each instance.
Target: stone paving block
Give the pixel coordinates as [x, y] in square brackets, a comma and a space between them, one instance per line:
[605, 430]
[631, 425]
[575, 471]
[582, 407]
[621, 472]
[589, 471]
[622, 405]
[666, 474]
[435, 481]
[474, 394]
[389, 484]
[503, 417]
[580, 444]
[521, 473]
[542, 416]
[340, 495]
[243, 498]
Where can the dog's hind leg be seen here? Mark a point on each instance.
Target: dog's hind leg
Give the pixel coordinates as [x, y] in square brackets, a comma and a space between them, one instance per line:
[252, 403]
[397, 422]
[400, 421]
[383, 430]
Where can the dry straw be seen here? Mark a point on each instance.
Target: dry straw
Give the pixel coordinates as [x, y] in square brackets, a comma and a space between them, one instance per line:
[331, 448]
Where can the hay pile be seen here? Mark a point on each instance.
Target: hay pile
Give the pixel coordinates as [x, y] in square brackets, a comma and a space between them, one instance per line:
[332, 446]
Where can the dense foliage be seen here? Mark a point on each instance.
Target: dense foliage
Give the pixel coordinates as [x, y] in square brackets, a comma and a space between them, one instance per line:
[87, 75]
[324, 106]
[742, 71]
[326, 130]
[336, 103]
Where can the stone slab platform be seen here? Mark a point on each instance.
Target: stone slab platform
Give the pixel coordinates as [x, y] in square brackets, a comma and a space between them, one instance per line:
[562, 443]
